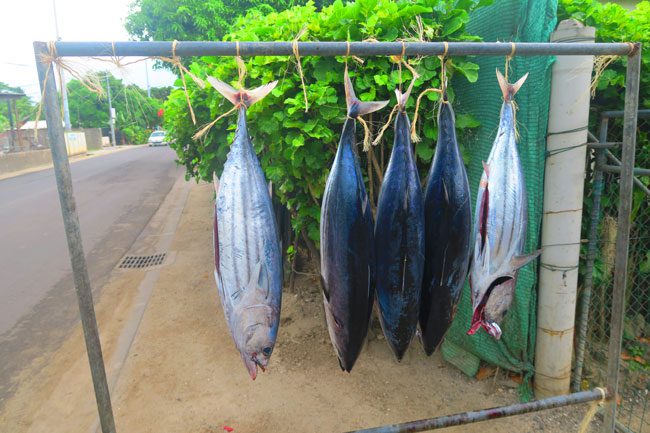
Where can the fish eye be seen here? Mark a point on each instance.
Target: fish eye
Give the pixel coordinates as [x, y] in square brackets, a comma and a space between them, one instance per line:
[267, 351]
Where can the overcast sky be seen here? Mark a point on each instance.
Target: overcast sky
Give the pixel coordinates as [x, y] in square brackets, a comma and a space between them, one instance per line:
[25, 21]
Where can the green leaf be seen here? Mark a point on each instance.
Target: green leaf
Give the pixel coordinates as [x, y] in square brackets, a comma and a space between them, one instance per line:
[466, 121]
[468, 70]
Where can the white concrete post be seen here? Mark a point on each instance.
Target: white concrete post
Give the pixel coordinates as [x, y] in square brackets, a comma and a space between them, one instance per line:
[563, 195]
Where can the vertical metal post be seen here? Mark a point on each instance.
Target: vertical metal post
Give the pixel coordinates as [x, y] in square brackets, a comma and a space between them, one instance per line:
[111, 118]
[623, 235]
[73, 235]
[12, 127]
[592, 247]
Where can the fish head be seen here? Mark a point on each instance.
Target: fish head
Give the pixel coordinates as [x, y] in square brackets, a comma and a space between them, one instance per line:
[492, 306]
[257, 339]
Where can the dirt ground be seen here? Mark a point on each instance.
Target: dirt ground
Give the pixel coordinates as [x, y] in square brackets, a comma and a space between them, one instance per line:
[183, 373]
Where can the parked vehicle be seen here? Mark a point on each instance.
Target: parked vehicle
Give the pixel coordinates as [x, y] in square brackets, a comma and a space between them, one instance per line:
[158, 138]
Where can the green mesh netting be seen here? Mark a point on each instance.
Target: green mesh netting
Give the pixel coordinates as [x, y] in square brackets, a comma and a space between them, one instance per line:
[521, 21]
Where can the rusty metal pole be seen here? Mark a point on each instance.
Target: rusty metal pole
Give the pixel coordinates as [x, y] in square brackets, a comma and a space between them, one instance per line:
[585, 301]
[489, 414]
[623, 236]
[73, 235]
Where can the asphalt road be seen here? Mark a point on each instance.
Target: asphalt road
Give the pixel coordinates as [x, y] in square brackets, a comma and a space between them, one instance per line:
[116, 196]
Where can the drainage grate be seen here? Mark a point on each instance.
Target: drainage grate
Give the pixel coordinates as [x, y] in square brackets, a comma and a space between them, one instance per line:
[139, 262]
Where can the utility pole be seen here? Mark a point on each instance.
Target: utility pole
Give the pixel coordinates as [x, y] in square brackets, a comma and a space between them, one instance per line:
[12, 127]
[146, 72]
[64, 91]
[111, 111]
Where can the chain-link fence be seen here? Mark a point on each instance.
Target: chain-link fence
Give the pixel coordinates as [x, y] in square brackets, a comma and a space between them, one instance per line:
[603, 186]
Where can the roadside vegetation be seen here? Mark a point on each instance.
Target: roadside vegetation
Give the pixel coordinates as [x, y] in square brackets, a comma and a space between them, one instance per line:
[136, 114]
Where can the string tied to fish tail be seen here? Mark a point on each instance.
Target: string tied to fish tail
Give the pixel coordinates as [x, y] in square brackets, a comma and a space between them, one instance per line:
[401, 60]
[415, 138]
[296, 53]
[515, 107]
[206, 128]
[357, 59]
[509, 57]
[366, 133]
[383, 129]
[241, 76]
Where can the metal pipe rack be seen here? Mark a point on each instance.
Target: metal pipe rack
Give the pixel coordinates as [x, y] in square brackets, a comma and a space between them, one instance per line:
[46, 52]
[329, 49]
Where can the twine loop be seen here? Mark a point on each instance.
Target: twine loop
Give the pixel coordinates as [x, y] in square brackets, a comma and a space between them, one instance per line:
[593, 409]
[296, 53]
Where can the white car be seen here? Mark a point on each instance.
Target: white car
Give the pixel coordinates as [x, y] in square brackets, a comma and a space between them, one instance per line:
[158, 138]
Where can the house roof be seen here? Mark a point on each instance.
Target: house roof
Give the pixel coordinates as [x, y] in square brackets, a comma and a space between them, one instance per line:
[11, 95]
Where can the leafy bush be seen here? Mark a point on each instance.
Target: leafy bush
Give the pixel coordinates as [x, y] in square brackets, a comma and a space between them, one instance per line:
[614, 23]
[296, 148]
[192, 20]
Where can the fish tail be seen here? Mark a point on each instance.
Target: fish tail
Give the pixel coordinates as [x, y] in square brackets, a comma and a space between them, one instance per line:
[356, 107]
[509, 90]
[402, 98]
[243, 97]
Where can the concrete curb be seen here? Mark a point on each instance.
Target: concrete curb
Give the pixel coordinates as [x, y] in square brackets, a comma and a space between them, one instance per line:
[72, 159]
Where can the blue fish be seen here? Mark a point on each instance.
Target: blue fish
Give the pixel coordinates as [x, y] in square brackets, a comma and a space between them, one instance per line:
[347, 244]
[447, 234]
[399, 238]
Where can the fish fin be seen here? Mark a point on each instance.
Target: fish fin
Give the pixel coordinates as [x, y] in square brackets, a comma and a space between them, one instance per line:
[520, 261]
[508, 90]
[403, 275]
[356, 107]
[514, 88]
[483, 216]
[486, 169]
[243, 97]
[445, 191]
[270, 188]
[324, 287]
[402, 98]
[259, 93]
[253, 283]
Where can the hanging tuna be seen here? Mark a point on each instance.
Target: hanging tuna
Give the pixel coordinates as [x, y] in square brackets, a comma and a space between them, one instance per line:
[247, 258]
[399, 238]
[347, 245]
[447, 216]
[500, 223]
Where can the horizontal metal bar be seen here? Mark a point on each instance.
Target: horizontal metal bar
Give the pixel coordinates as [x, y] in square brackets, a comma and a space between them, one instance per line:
[617, 169]
[197, 48]
[489, 414]
[636, 180]
[606, 145]
[641, 114]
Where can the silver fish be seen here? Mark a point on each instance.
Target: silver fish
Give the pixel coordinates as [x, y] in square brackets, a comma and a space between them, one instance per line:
[500, 223]
[247, 257]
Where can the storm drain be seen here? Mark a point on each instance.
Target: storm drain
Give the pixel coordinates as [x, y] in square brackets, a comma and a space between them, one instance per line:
[141, 262]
